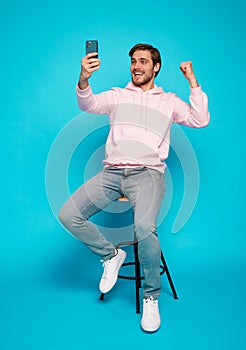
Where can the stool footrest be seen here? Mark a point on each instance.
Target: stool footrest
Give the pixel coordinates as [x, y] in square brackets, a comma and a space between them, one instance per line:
[132, 263]
[125, 277]
[137, 276]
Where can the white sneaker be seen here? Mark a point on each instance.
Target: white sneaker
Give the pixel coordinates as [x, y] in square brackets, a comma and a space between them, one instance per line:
[150, 321]
[111, 269]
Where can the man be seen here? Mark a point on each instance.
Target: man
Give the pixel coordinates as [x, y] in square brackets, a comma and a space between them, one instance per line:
[140, 118]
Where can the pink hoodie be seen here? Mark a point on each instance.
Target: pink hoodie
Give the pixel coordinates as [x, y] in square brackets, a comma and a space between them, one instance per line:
[140, 121]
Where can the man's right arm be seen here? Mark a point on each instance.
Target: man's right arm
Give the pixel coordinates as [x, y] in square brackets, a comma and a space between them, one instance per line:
[87, 101]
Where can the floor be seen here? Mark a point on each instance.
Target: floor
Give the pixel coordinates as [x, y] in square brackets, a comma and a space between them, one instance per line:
[60, 309]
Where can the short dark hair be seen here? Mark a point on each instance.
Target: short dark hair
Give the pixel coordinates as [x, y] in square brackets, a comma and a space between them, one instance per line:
[155, 54]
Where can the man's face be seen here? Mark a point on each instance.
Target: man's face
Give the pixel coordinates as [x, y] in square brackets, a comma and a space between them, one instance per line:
[142, 69]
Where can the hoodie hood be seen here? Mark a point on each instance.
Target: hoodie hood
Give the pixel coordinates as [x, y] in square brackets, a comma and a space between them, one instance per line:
[155, 91]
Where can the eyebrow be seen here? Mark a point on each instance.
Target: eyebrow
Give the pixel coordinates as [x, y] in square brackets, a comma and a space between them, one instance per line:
[141, 58]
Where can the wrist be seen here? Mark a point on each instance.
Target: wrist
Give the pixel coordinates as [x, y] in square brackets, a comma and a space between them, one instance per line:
[83, 83]
[193, 82]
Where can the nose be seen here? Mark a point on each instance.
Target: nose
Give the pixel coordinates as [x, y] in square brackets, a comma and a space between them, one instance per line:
[137, 65]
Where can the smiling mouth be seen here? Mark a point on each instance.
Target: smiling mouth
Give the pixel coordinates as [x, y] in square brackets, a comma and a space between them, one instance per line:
[137, 74]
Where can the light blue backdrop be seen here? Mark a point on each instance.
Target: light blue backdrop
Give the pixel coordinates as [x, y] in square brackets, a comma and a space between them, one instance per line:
[44, 281]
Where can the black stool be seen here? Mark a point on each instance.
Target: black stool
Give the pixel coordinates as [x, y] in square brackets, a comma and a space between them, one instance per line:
[137, 275]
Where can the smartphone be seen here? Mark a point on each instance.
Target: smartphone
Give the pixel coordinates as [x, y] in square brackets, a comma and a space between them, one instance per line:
[91, 46]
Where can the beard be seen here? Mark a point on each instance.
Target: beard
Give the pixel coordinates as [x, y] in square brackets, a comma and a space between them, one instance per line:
[144, 79]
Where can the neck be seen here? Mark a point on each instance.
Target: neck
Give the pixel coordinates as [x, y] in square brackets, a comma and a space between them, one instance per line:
[148, 86]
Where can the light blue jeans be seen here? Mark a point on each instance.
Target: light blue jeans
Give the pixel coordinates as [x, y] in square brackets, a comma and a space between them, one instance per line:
[145, 189]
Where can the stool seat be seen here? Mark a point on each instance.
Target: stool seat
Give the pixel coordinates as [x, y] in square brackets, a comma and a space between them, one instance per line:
[123, 199]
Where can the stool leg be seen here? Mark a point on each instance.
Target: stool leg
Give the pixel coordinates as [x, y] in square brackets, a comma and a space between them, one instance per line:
[137, 277]
[168, 276]
[101, 296]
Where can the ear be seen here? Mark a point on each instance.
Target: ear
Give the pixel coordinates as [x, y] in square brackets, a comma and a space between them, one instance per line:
[156, 67]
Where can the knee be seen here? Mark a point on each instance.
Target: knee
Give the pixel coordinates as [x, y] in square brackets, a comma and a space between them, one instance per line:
[66, 215]
[63, 216]
[70, 217]
[144, 229]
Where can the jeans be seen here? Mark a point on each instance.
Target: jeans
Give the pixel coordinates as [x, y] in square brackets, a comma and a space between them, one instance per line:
[145, 189]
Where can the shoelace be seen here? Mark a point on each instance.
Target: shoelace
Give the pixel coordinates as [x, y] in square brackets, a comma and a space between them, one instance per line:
[151, 307]
[106, 267]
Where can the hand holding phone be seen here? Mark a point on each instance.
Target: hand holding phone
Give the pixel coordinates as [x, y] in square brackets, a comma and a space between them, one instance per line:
[90, 63]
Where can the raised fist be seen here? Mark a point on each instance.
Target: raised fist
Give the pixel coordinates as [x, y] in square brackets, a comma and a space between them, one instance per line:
[187, 70]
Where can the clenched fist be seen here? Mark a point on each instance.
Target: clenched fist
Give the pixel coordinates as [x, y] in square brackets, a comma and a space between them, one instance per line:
[187, 70]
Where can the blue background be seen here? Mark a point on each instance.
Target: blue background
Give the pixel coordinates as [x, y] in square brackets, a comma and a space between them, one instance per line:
[49, 281]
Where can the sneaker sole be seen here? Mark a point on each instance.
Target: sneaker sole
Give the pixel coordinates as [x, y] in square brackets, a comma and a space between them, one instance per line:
[150, 330]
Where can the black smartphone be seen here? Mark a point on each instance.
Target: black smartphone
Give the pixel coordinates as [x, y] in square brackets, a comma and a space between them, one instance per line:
[91, 46]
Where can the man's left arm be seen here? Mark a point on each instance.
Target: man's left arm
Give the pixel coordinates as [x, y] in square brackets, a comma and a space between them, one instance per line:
[196, 113]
